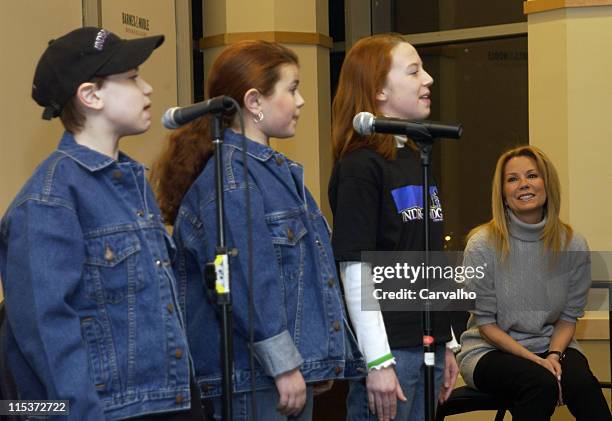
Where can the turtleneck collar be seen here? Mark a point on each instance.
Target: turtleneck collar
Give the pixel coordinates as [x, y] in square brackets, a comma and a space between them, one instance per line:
[524, 231]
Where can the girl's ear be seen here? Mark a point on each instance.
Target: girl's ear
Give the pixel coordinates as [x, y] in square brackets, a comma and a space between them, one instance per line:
[252, 101]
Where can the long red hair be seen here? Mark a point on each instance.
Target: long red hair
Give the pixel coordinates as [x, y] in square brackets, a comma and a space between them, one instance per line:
[240, 67]
[364, 74]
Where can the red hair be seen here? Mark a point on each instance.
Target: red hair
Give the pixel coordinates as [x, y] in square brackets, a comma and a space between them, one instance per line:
[364, 74]
[240, 67]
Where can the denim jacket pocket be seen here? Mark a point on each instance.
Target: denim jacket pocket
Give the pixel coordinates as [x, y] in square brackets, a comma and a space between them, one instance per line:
[286, 234]
[99, 368]
[112, 268]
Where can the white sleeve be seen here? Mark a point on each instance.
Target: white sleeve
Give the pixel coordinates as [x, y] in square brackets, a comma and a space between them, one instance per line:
[369, 325]
[453, 344]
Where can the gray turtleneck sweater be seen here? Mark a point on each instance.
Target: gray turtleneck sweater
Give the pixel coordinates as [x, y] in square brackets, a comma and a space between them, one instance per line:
[524, 295]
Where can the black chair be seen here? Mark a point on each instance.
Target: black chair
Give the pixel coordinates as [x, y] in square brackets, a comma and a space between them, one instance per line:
[465, 399]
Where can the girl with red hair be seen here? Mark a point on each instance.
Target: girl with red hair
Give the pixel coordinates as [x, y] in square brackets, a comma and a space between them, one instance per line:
[374, 189]
[300, 339]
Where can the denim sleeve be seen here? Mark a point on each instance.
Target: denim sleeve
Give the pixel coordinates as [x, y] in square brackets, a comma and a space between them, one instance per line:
[44, 261]
[273, 344]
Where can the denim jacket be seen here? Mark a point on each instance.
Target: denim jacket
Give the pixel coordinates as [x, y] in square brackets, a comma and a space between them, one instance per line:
[299, 320]
[90, 294]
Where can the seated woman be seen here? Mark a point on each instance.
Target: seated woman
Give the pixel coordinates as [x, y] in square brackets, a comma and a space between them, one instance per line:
[520, 338]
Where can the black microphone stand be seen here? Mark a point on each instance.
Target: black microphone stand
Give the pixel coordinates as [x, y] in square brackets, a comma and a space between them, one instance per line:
[429, 354]
[421, 134]
[424, 141]
[218, 274]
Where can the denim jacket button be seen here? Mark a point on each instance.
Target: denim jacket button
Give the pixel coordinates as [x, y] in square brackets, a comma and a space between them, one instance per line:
[279, 160]
[178, 353]
[109, 255]
[330, 282]
[158, 263]
[290, 234]
[337, 326]
[179, 398]
[170, 308]
[317, 242]
[338, 370]
[140, 213]
[117, 174]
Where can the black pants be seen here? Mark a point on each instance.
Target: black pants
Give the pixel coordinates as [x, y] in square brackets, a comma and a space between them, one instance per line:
[533, 391]
[195, 413]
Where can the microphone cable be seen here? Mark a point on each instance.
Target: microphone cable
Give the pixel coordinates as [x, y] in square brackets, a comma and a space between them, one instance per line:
[249, 229]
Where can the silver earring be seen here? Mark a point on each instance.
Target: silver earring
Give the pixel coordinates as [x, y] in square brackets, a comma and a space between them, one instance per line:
[259, 118]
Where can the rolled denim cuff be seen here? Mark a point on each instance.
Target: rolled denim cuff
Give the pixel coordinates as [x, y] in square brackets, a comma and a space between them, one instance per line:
[278, 354]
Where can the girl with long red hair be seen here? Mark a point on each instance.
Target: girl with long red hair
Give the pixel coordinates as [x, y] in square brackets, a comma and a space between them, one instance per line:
[375, 186]
[300, 342]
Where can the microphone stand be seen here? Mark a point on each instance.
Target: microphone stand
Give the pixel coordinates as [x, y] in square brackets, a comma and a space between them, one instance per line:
[429, 355]
[424, 141]
[365, 123]
[217, 272]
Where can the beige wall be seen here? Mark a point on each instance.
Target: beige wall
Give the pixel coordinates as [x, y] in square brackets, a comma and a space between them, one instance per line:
[26, 26]
[570, 92]
[27, 139]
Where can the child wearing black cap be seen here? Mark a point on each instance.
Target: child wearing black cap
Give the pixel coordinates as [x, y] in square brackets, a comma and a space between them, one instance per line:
[90, 295]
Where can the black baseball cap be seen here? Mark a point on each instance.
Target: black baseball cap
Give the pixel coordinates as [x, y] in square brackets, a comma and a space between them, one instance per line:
[78, 57]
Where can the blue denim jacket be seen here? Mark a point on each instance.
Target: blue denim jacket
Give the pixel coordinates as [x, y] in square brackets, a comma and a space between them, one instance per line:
[90, 293]
[299, 320]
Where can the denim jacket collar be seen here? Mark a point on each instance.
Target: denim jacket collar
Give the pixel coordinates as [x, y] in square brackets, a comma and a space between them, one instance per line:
[254, 149]
[86, 157]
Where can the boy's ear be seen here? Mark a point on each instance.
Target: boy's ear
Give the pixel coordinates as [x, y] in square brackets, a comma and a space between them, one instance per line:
[88, 96]
[252, 101]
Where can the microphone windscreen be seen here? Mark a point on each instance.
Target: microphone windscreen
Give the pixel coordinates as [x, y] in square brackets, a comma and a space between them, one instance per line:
[168, 119]
[363, 123]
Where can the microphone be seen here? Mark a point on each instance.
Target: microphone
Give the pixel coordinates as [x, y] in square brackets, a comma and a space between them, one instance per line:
[175, 117]
[365, 124]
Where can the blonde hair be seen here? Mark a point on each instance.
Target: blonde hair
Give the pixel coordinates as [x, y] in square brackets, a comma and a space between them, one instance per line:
[556, 234]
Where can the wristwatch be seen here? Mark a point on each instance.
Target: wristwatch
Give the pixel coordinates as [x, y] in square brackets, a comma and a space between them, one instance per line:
[559, 353]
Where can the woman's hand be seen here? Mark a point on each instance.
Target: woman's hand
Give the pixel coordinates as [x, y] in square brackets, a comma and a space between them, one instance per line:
[556, 363]
[383, 392]
[451, 370]
[547, 363]
[292, 392]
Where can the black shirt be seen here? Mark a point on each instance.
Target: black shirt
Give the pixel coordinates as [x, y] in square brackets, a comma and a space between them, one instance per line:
[377, 206]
